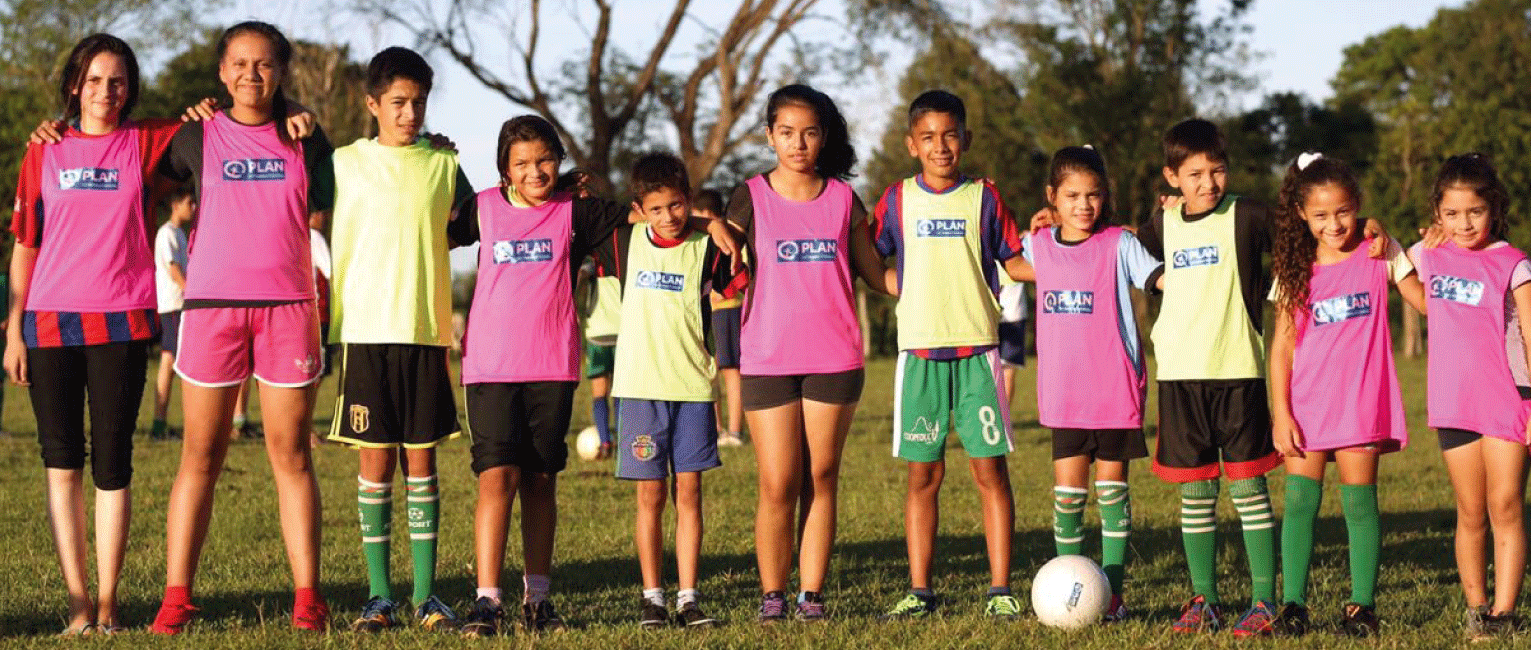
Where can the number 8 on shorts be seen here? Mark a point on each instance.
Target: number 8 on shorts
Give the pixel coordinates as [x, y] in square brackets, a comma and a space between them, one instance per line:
[929, 394]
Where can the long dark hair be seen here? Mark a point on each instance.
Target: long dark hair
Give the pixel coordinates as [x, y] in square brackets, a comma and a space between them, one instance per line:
[1476, 172]
[837, 157]
[1082, 160]
[73, 77]
[1295, 249]
[525, 128]
[283, 49]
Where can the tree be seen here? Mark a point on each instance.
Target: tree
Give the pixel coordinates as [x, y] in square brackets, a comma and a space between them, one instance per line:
[1263, 141]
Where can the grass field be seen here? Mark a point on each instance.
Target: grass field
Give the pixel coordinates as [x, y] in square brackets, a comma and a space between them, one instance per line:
[244, 589]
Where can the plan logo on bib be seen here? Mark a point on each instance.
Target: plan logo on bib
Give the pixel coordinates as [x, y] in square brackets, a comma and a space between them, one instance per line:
[1068, 302]
[1342, 308]
[941, 228]
[1199, 256]
[87, 178]
[1462, 290]
[255, 169]
[661, 281]
[522, 251]
[806, 250]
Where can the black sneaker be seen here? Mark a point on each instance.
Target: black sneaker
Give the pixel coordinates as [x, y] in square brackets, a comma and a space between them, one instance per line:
[483, 618]
[1501, 625]
[773, 607]
[541, 617]
[1359, 620]
[691, 617]
[652, 616]
[810, 608]
[1293, 619]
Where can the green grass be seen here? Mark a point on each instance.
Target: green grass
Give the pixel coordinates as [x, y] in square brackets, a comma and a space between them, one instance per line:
[244, 589]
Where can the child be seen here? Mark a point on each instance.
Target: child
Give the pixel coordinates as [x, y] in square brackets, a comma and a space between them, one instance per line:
[249, 310]
[725, 336]
[1332, 332]
[1479, 293]
[946, 232]
[603, 307]
[800, 341]
[169, 286]
[392, 311]
[664, 376]
[1014, 317]
[521, 356]
[1091, 376]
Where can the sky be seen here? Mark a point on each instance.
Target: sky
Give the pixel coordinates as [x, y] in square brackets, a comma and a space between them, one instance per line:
[1300, 43]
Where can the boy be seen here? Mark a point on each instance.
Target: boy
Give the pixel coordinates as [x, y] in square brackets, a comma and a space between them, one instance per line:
[726, 313]
[947, 231]
[602, 308]
[169, 283]
[664, 375]
[391, 314]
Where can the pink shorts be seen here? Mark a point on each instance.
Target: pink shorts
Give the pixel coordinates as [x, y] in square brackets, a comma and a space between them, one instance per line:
[223, 346]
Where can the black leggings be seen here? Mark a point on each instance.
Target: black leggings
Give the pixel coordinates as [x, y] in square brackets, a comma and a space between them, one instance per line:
[113, 374]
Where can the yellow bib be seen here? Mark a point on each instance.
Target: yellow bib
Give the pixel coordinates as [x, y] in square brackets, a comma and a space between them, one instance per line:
[602, 325]
[944, 301]
[662, 353]
[1203, 330]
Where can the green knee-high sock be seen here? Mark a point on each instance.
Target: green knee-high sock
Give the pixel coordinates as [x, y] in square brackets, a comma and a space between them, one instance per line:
[1303, 496]
[1365, 530]
[374, 503]
[1068, 519]
[424, 518]
[1253, 501]
[1115, 525]
[1198, 532]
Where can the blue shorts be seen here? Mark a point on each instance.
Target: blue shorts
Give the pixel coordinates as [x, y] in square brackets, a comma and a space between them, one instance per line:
[1012, 342]
[663, 437]
[725, 336]
[170, 331]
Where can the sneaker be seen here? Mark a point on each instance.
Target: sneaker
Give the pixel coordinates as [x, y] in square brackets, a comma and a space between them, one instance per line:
[435, 616]
[314, 617]
[911, 607]
[773, 607]
[172, 619]
[730, 439]
[1260, 620]
[541, 617]
[810, 607]
[1500, 625]
[1198, 616]
[1116, 612]
[1359, 620]
[1293, 619]
[652, 616]
[377, 615]
[483, 618]
[691, 617]
[1003, 606]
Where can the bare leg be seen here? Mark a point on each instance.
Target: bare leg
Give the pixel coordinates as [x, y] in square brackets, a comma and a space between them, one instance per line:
[648, 531]
[114, 513]
[491, 522]
[539, 521]
[163, 383]
[206, 413]
[688, 526]
[732, 392]
[922, 517]
[993, 478]
[778, 453]
[66, 518]
[1466, 467]
[286, 415]
[1505, 492]
[825, 426]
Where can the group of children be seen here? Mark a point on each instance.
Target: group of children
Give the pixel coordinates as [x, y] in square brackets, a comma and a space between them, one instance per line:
[82, 321]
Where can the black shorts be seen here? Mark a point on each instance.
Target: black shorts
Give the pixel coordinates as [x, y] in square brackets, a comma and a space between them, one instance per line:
[1099, 444]
[1012, 342]
[170, 331]
[521, 424]
[112, 375]
[1203, 422]
[725, 336]
[393, 395]
[760, 392]
[1452, 438]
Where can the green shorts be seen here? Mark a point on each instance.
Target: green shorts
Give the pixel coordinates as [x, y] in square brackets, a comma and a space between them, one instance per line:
[932, 397]
[600, 360]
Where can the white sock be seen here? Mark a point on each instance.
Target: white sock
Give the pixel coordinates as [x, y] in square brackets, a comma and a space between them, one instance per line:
[537, 588]
[655, 596]
[492, 593]
[685, 596]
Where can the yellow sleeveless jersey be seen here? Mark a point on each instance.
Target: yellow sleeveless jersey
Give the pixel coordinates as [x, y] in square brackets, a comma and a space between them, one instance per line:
[602, 326]
[944, 301]
[1203, 330]
[662, 353]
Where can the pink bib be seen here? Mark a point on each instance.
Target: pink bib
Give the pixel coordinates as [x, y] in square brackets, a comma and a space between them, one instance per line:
[1344, 388]
[800, 318]
[1085, 378]
[1470, 386]
[95, 253]
[251, 240]
[522, 325]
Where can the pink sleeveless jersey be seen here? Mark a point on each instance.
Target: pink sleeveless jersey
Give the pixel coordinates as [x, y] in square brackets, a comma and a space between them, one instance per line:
[800, 318]
[1470, 386]
[1344, 388]
[522, 325]
[95, 252]
[251, 240]
[1085, 377]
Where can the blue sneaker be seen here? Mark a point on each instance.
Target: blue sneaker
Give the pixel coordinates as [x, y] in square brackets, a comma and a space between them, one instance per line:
[435, 616]
[377, 615]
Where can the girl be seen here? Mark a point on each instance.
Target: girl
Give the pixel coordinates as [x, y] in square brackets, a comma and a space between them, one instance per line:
[1480, 309]
[1332, 330]
[1091, 378]
[800, 341]
[249, 309]
[84, 308]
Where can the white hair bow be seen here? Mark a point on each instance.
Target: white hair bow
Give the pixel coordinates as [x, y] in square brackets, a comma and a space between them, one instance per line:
[1307, 158]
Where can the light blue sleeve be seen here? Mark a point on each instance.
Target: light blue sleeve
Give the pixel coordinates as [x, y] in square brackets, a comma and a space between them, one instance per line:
[1026, 246]
[1134, 261]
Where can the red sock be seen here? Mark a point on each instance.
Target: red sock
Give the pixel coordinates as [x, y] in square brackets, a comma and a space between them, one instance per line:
[177, 596]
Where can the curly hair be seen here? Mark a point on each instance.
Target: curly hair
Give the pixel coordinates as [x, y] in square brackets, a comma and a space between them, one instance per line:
[1295, 250]
[1474, 171]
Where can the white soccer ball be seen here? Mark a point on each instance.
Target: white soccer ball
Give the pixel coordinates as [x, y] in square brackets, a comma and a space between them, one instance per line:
[588, 443]
[1070, 592]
